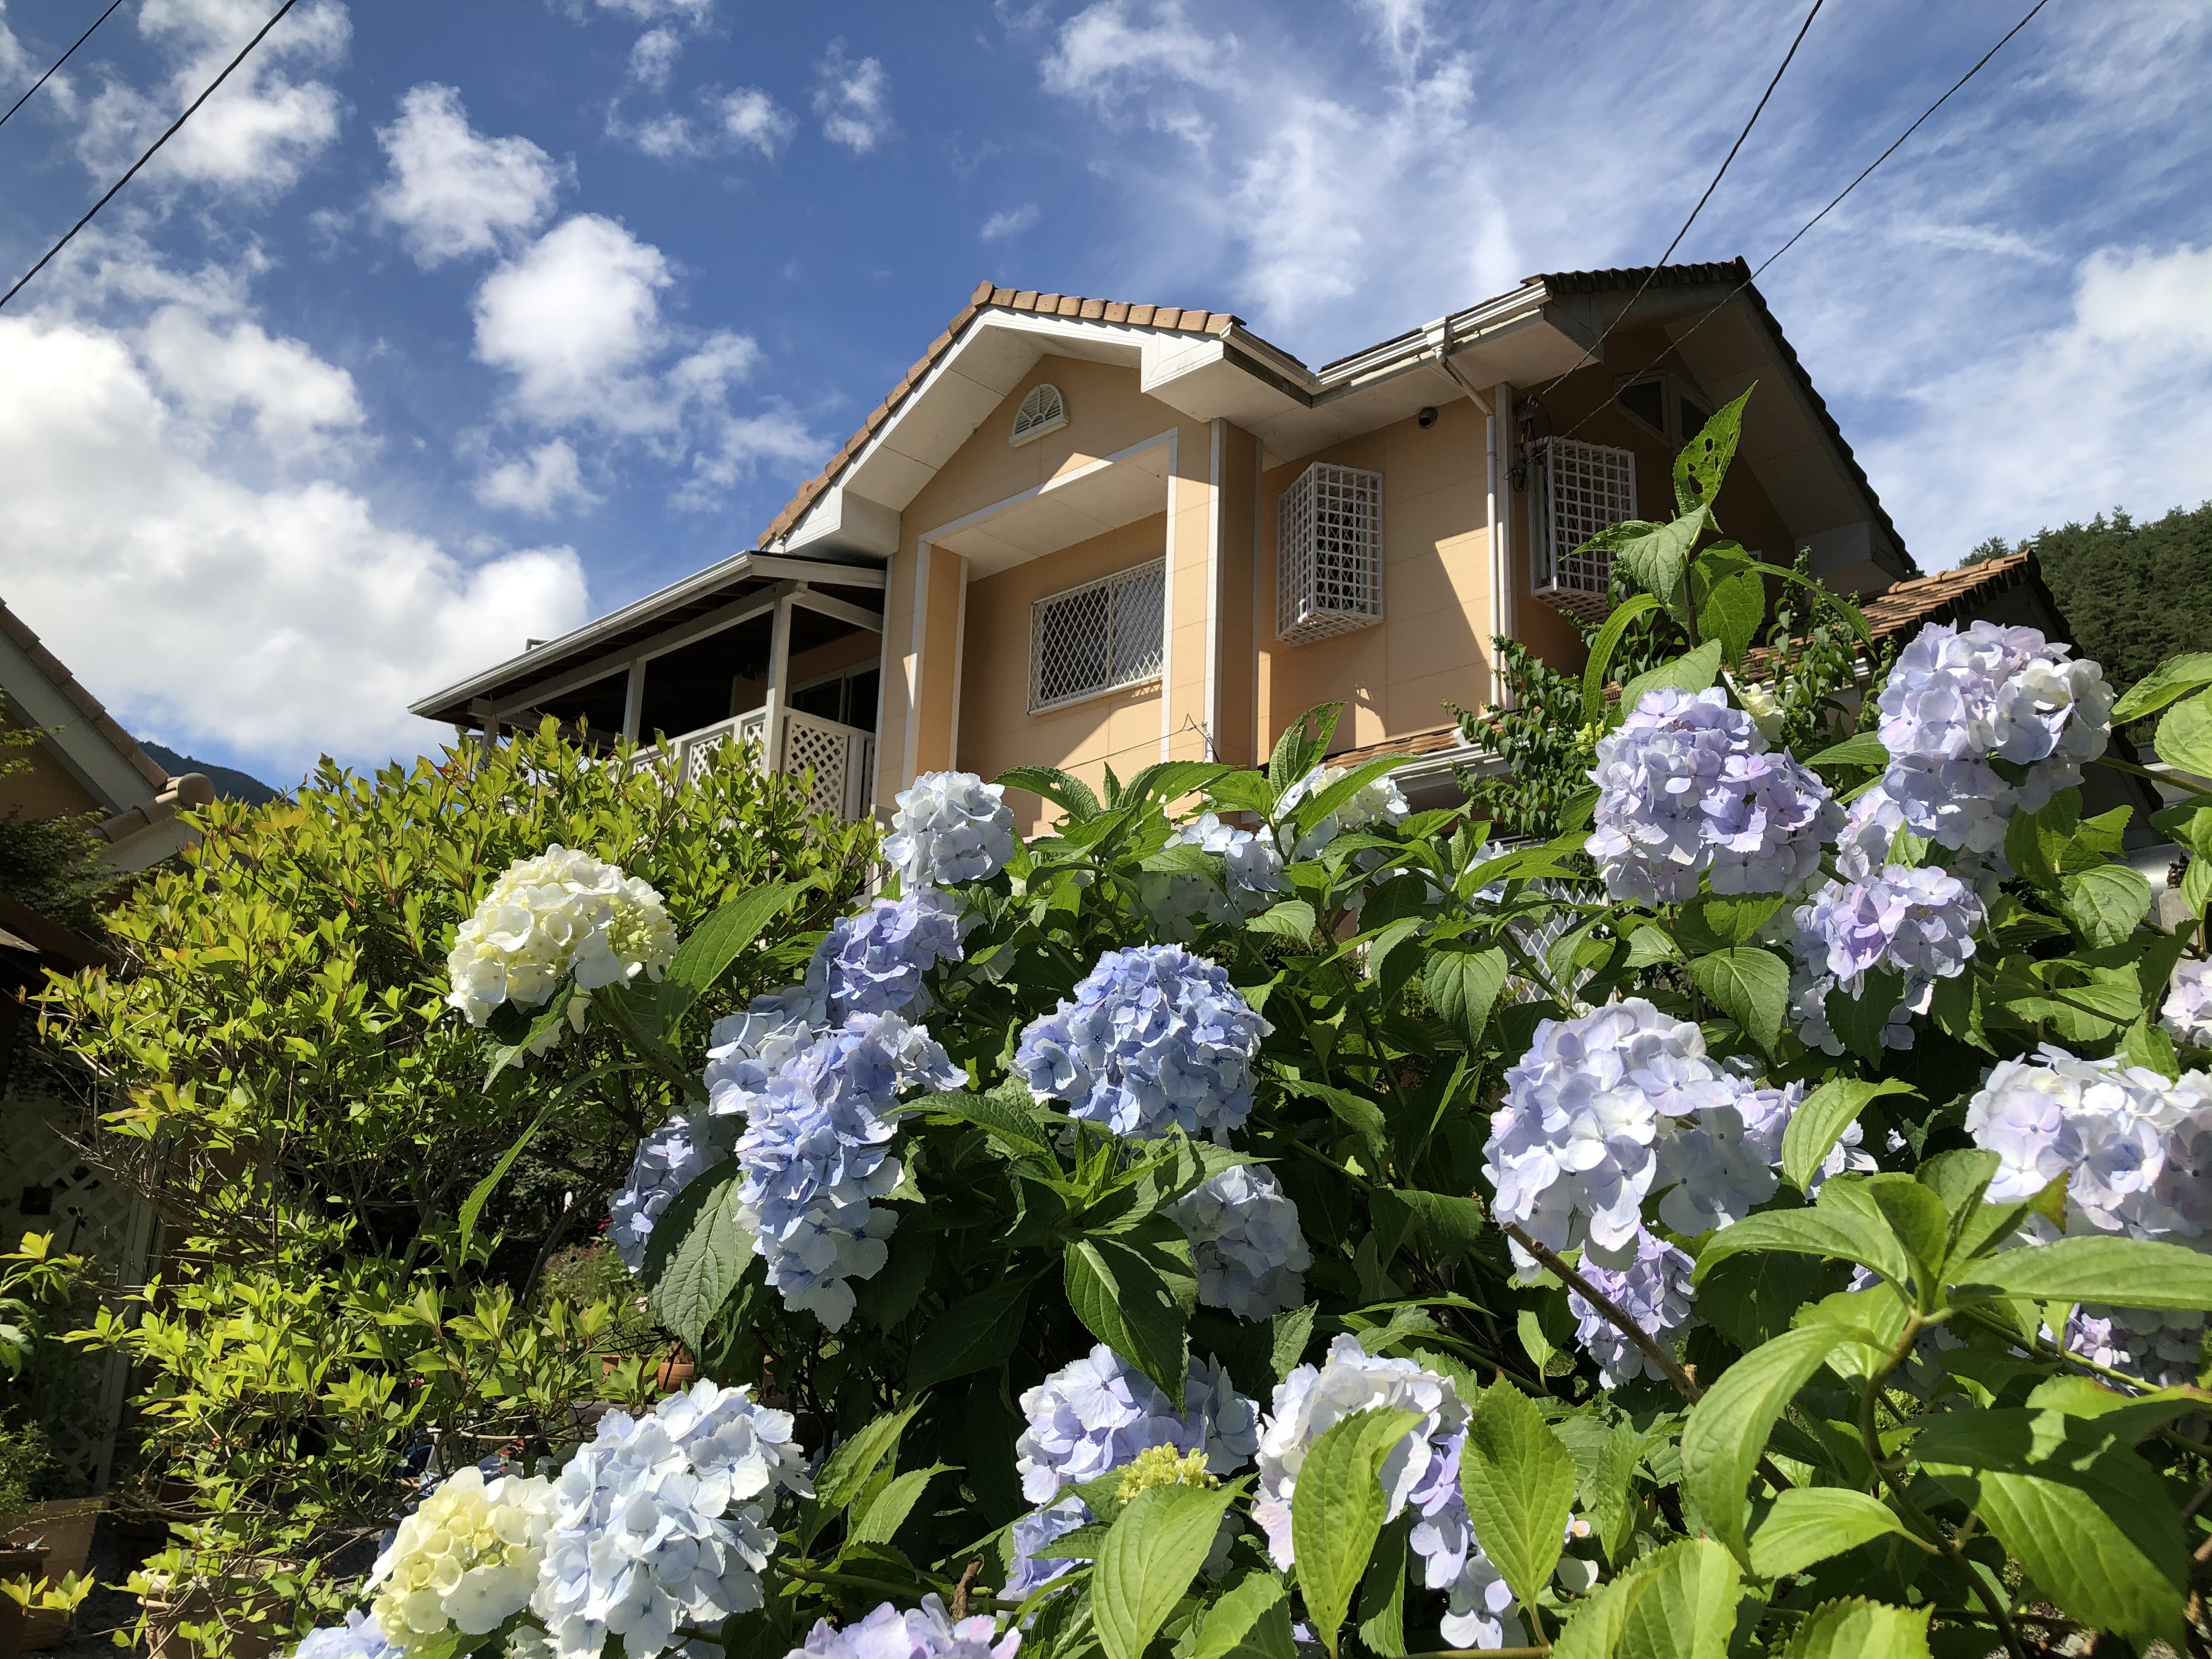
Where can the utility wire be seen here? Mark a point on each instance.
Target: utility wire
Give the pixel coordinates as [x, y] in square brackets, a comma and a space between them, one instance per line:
[60, 61]
[189, 110]
[1836, 202]
[1594, 346]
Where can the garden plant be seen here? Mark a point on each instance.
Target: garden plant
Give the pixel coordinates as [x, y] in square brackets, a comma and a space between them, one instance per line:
[1774, 1216]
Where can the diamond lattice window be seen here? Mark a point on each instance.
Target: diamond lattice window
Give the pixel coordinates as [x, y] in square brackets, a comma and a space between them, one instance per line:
[1103, 636]
[1576, 491]
[1329, 553]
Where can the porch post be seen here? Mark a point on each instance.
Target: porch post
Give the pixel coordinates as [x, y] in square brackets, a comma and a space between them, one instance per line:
[779, 666]
[634, 700]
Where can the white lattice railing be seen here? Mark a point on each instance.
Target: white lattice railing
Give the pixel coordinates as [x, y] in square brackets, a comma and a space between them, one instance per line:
[842, 757]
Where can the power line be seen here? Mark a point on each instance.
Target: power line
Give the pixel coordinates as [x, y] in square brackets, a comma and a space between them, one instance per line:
[1596, 345]
[60, 61]
[148, 155]
[1832, 206]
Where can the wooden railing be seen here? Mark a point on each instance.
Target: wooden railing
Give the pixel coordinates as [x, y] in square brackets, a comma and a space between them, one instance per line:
[842, 757]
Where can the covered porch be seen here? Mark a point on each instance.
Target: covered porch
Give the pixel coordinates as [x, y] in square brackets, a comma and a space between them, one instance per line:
[783, 653]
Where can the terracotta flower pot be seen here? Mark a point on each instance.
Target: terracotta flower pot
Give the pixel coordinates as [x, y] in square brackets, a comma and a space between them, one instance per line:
[15, 1563]
[65, 1529]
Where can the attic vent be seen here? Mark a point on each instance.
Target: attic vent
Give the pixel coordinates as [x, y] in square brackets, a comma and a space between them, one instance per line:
[1043, 411]
[1328, 554]
[1576, 491]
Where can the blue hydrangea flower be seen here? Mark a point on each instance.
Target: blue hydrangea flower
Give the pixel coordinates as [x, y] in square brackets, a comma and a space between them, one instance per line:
[1688, 786]
[1252, 876]
[1031, 1533]
[874, 963]
[923, 1632]
[1653, 1289]
[950, 827]
[2187, 1013]
[1244, 1238]
[1098, 1412]
[1717, 1163]
[1381, 802]
[668, 1160]
[814, 1154]
[1958, 698]
[665, 1522]
[1420, 1472]
[2159, 1348]
[1156, 1039]
[1920, 923]
[359, 1638]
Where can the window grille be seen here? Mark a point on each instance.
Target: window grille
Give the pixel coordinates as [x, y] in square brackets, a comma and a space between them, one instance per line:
[1576, 491]
[1102, 637]
[1043, 411]
[1329, 553]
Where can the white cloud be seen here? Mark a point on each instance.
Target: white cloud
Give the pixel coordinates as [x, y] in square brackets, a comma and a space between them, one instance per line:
[693, 12]
[752, 117]
[452, 192]
[653, 56]
[1106, 53]
[256, 136]
[298, 404]
[665, 137]
[575, 318]
[281, 623]
[1009, 222]
[539, 484]
[2111, 406]
[853, 100]
[738, 446]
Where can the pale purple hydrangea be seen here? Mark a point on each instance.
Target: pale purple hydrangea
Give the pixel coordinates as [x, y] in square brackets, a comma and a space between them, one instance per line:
[923, 1632]
[1095, 1414]
[1157, 1039]
[1653, 1289]
[664, 1521]
[1809, 1011]
[1716, 1162]
[1688, 786]
[668, 1160]
[2163, 1348]
[2187, 1014]
[1919, 922]
[1959, 698]
[950, 827]
[1871, 824]
[1031, 1533]
[872, 962]
[1244, 1238]
[359, 1638]
[1252, 874]
[1421, 1471]
[813, 1155]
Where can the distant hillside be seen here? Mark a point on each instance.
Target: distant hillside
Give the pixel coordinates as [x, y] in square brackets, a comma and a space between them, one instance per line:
[229, 782]
[2133, 594]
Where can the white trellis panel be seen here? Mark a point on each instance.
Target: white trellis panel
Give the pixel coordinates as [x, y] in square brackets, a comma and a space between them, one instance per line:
[1576, 491]
[1328, 554]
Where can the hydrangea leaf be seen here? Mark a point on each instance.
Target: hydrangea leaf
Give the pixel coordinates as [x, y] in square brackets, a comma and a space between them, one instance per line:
[709, 949]
[1749, 985]
[846, 1469]
[1519, 1483]
[1302, 744]
[1593, 1627]
[1238, 1618]
[1337, 1511]
[1118, 1290]
[1293, 919]
[1809, 1524]
[888, 1510]
[1860, 1629]
[1463, 986]
[2176, 677]
[1063, 789]
[2185, 735]
[698, 1252]
[1727, 1429]
[1688, 1608]
[2104, 904]
[1383, 1593]
[1243, 792]
[974, 1335]
[1288, 1333]
[1864, 750]
[2126, 1273]
[1154, 1550]
[1815, 1127]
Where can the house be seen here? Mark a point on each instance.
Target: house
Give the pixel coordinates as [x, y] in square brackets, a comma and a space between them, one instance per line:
[1084, 533]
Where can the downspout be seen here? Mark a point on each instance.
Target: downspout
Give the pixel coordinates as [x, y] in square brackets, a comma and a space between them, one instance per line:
[1499, 567]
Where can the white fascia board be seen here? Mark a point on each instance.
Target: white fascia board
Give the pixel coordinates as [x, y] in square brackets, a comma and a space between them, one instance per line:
[843, 521]
[69, 734]
[149, 846]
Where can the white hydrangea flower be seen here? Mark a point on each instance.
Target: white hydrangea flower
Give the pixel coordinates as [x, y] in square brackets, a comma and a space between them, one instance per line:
[1253, 876]
[950, 827]
[664, 1521]
[562, 912]
[1379, 802]
[2187, 1015]
[1244, 1237]
[466, 1559]
[1759, 701]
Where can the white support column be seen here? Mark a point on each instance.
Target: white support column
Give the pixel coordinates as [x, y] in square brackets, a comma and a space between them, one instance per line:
[634, 701]
[1506, 584]
[778, 669]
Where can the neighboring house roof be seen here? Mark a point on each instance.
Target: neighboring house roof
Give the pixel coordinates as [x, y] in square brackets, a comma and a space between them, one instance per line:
[89, 707]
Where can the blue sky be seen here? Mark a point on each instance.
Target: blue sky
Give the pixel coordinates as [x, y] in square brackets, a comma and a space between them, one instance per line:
[445, 325]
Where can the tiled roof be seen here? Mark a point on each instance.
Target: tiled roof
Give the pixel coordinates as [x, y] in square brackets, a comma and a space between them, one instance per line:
[1940, 597]
[1444, 740]
[988, 296]
[90, 706]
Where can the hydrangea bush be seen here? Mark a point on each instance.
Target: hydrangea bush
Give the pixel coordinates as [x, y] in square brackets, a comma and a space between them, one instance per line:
[1775, 1216]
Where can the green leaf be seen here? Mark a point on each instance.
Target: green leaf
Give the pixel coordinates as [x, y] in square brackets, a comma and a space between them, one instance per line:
[1357, 1113]
[2185, 735]
[1608, 640]
[1916, 1215]
[1714, 921]
[1287, 1336]
[697, 1253]
[1063, 789]
[1732, 613]
[1383, 1593]
[2128, 1273]
[1339, 1515]
[1169, 781]
[550, 1019]
[1594, 1624]
[2176, 677]
[472, 1206]
[1243, 792]
[1867, 749]
[888, 1512]
[1816, 1126]
[1727, 1429]
[1655, 557]
[1519, 1483]
[1750, 986]
[1693, 672]
[1153, 1552]
[1811, 1523]
[845, 1472]
[1008, 1114]
[1463, 986]
[1292, 919]
[1859, 1629]
[1244, 1603]
[1826, 1230]
[1688, 1609]
[2104, 904]
[1311, 811]
[974, 1335]
[1453, 1226]
[1302, 746]
[1118, 1291]
[1703, 461]
[705, 956]
[1607, 1491]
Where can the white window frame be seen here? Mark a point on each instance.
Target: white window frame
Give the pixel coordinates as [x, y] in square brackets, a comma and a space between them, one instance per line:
[1315, 562]
[1153, 571]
